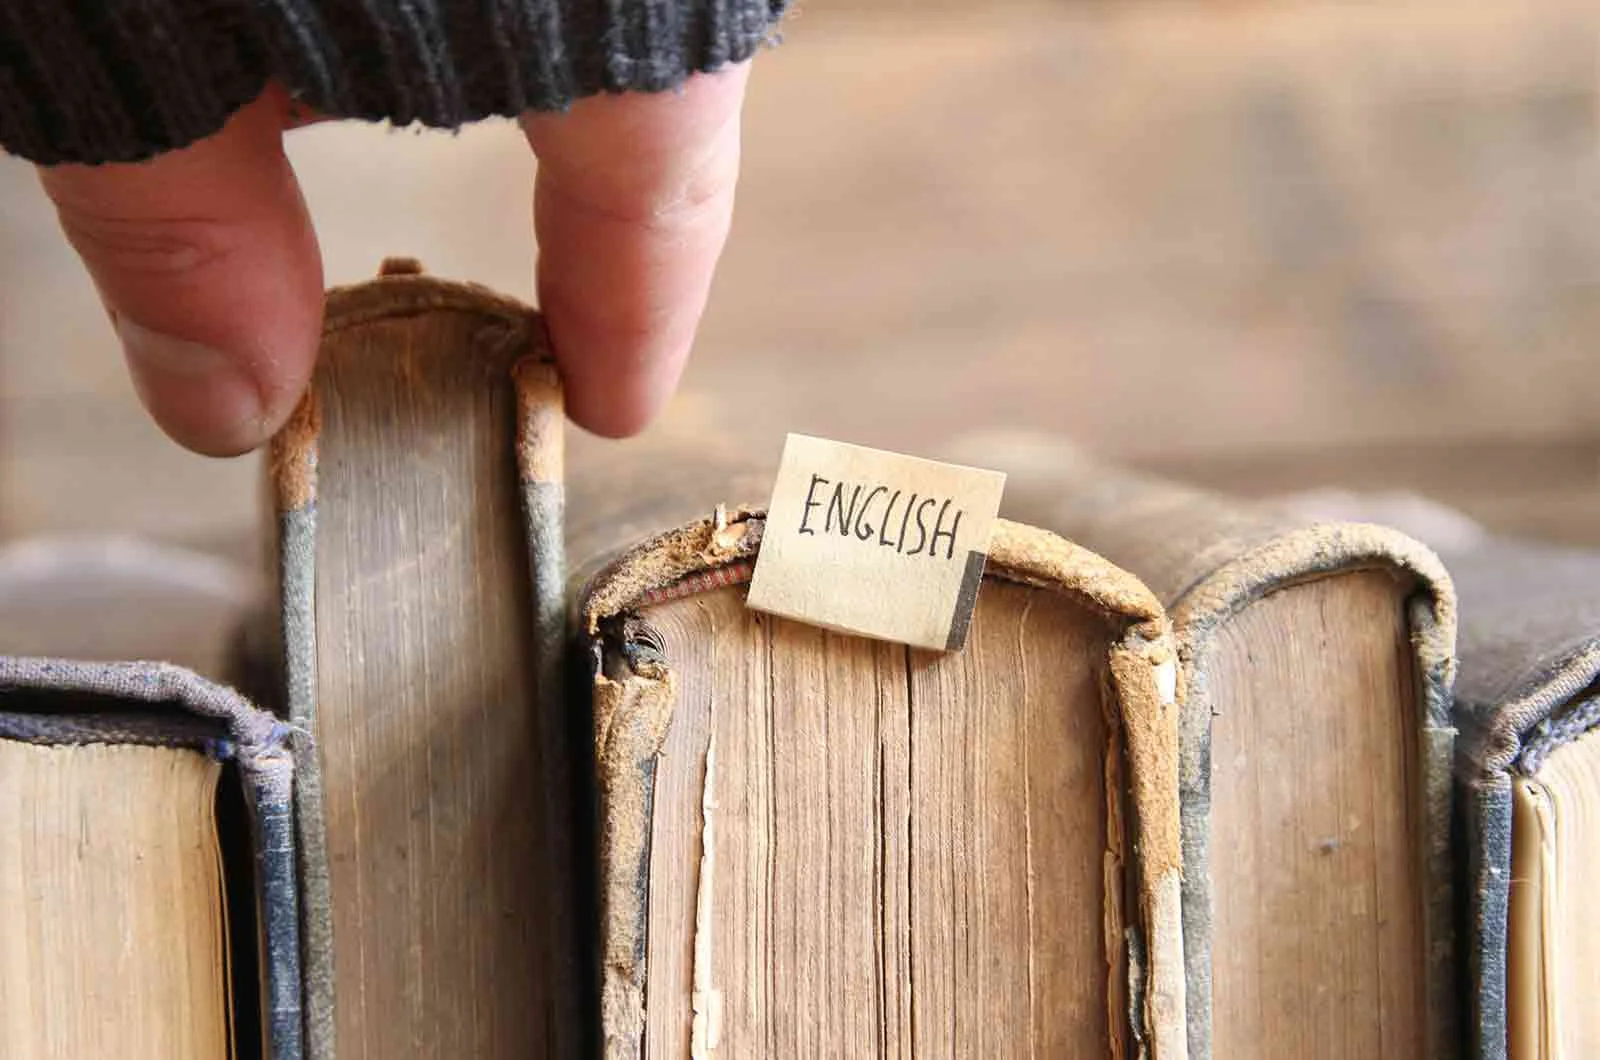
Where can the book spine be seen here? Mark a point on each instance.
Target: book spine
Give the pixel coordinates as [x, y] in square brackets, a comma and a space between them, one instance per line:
[633, 695]
[218, 721]
[1144, 670]
[293, 468]
[278, 900]
[541, 450]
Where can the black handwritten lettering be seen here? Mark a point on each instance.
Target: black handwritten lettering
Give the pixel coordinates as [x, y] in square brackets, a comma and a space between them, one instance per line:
[847, 515]
[905, 519]
[852, 510]
[888, 514]
[939, 531]
[922, 526]
[835, 510]
[865, 530]
[810, 504]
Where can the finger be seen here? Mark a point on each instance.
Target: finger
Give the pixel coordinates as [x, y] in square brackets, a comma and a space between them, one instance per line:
[206, 262]
[633, 200]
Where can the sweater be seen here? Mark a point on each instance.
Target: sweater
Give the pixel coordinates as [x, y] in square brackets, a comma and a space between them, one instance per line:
[94, 81]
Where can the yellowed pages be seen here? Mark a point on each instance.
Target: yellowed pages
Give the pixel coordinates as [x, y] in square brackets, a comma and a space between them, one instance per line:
[114, 941]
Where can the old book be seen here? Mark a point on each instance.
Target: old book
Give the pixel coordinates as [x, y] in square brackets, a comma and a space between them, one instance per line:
[418, 494]
[146, 867]
[1528, 703]
[1315, 744]
[1528, 764]
[814, 844]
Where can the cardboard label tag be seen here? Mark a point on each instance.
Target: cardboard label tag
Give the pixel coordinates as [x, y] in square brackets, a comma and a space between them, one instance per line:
[875, 543]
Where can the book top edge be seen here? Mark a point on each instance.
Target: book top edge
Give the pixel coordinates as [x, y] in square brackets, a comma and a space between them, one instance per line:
[139, 692]
[720, 550]
[1530, 648]
[1207, 556]
[512, 337]
[407, 294]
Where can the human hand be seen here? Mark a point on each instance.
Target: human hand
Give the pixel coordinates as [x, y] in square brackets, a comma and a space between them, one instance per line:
[208, 265]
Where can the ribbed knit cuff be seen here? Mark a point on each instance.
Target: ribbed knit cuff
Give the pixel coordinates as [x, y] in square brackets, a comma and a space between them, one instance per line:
[121, 80]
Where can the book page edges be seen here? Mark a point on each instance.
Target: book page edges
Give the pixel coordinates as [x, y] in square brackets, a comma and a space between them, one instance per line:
[506, 328]
[292, 455]
[1209, 557]
[633, 711]
[1530, 1004]
[1279, 560]
[267, 769]
[1504, 800]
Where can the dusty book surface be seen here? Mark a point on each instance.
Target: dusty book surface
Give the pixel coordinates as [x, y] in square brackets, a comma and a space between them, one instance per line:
[419, 501]
[1528, 704]
[147, 866]
[812, 842]
[1316, 745]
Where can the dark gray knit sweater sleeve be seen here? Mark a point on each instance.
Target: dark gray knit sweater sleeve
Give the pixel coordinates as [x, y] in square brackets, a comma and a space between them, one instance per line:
[121, 80]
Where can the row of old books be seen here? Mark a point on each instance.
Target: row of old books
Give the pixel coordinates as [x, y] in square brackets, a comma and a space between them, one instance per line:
[1207, 780]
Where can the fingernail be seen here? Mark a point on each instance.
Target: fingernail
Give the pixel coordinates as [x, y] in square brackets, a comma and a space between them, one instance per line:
[202, 397]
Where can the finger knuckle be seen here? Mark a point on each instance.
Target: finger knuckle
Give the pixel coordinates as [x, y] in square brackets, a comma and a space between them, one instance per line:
[171, 246]
[652, 197]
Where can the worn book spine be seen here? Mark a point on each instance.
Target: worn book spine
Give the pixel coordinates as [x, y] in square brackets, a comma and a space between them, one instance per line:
[165, 705]
[1530, 663]
[401, 293]
[633, 698]
[1207, 559]
[1259, 564]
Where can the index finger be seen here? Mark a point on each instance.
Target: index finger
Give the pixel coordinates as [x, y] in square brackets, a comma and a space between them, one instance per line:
[632, 204]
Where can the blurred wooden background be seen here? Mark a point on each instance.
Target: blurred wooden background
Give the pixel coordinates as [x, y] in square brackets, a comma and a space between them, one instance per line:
[1266, 247]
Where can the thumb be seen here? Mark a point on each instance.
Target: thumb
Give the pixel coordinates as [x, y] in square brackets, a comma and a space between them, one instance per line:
[208, 266]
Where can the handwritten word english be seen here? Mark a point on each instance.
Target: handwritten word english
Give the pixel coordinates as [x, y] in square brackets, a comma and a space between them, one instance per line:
[865, 512]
